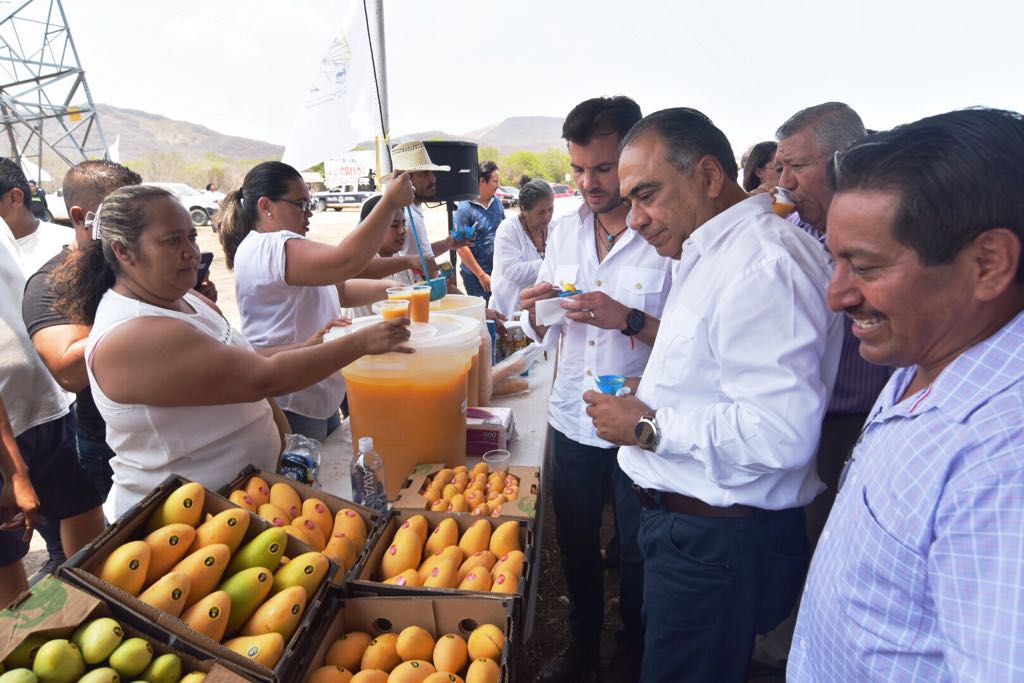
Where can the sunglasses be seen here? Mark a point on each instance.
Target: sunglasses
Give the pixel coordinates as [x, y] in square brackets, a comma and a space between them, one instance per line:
[302, 205]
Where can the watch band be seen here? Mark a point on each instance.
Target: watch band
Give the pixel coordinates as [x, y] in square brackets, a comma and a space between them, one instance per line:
[636, 320]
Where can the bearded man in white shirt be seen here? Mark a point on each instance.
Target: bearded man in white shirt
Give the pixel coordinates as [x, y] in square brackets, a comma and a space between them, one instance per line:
[721, 434]
[608, 329]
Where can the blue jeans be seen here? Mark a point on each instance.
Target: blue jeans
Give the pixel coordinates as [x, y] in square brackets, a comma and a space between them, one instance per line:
[311, 427]
[95, 457]
[579, 475]
[711, 584]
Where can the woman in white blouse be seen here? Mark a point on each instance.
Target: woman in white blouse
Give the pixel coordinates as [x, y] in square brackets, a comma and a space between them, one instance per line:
[519, 246]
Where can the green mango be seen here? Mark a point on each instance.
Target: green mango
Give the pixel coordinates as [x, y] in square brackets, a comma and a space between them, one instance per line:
[19, 675]
[58, 661]
[104, 675]
[263, 551]
[164, 669]
[98, 639]
[194, 677]
[132, 657]
[23, 655]
[248, 588]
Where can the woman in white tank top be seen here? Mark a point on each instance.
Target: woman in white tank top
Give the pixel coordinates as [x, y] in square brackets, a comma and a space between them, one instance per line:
[288, 287]
[180, 390]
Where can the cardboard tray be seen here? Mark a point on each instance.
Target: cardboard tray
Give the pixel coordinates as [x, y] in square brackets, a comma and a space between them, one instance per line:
[367, 583]
[524, 507]
[79, 570]
[441, 615]
[55, 609]
[374, 520]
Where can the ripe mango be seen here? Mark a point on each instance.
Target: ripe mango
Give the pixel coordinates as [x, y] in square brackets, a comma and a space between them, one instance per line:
[486, 640]
[484, 558]
[481, 510]
[405, 552]
[446, 533]
[440, 505]
[265, 649]
[418, 523]
[412, 671]
[352, 523]
[164, 669]
[330, 674]
[415, 642]
[284, 496]
[442, 677]
[263, 551]
[341, 551]
[131, 657]
[280, 614]
[204, 568]
[167, 545]
[21, 657]
[381, 653]
[97, 639]
[347, 651]
[227, 527]
[443, 574]
[483, 671]
[306, 570]
[444, 475]
[370, 676]
[104, 675]
[477, 579]
[312, 531]
[474, 498]
[505, 539]
[410, 577]
[480, 468]
[193, 677]
[317, 510]
[476, 537]
[458, 503]
[243, 500]
[303, 536]
[169, 593]
[210, 615]
[126, 567]
[258, 489]
[274, 514]
[449, 491]
[58, 661]
[450, 554]
[248, 588]
[183, 506]
[451, 653]
[495, 501]
[511, 562]
[505, 582]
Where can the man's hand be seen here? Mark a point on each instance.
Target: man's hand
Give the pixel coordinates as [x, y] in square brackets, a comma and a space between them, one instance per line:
[18, 504]
[529, 297]
[597, 309]
[398, 193]
[497, 317]
[615, 417]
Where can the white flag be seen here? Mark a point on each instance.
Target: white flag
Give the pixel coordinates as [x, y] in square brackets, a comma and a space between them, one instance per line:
[341, 106]
[114, 151]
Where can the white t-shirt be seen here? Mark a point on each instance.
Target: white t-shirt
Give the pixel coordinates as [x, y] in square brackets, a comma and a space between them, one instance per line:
[207, 444]
[415, 220]
[274, 313]
[42, 245]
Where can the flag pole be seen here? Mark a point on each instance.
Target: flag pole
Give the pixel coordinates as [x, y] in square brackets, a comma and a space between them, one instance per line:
[375, 20]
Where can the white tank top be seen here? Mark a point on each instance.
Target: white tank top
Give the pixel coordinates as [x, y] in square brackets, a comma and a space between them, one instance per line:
[207, 444]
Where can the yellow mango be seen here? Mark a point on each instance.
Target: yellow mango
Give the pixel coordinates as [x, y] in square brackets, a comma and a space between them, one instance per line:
[410, 577]
[280, 614]
[486, 641]
[126, 567]
[265, 649]
[411, 671]
[477, 579]
[347, 651]
[461, 480]
[442, 677]
[417, 523]
[258, 489]
[495, 501]
[511, 562]
[167, 545]
[449, 492]
[446, 533]
[474, 497]
[284, 496]
[351, 522]
[460, 468]
[227, 527]
[505, 582]
[306, 570]
[440, 505]
[204, 568]
[330, 674]
[300, 534]
[317, 510]
[444, 475]
[415, 642]
[274, 515]
[169, 593]
[458, 503]
[312, 531]
[481, 510]
[450, 653]
[483, 671]
[484, 558]
[505, 539]
[432, 495]
[183, 506]
[443, 574]
[452, 553]
[479, 468]
[370, 676]
[243, 500]
[381, 653]
[210, 615]
[341, 551]
[476, 537]
[405, 552]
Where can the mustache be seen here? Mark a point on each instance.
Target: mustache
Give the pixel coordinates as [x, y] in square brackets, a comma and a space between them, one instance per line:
[862, 311]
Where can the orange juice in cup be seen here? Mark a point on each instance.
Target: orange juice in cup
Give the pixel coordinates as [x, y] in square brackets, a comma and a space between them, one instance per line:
[419, 303]
[393, 308]
[783, 202]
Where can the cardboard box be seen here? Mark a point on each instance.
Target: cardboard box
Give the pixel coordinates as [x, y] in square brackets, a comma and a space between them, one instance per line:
[411, 497]
[488, 428]
[439, 616]
[374, 520]
[81, 570]
[369, 581]
[54, 609]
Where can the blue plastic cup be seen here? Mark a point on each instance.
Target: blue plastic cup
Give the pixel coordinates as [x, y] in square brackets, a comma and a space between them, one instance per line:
[610, 384]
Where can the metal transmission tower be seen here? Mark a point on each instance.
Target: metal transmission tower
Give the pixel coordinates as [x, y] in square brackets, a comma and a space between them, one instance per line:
[45, 105]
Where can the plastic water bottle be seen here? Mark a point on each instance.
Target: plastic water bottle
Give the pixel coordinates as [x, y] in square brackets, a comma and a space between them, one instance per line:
[368, 477]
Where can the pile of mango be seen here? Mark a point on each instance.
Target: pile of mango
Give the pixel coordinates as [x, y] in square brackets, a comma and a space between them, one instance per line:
[478, 491]
[413, 656]
[479, 561]
[249, 597]
[97, 652]
[339, 537]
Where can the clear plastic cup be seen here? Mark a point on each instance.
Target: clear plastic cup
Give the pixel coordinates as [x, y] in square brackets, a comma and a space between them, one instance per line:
[783, 202]
[392, 308]
[497, 460]
[419, 306]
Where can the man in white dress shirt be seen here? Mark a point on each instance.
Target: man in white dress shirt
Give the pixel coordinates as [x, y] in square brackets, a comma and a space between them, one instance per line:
[608, 329]
[720, 437]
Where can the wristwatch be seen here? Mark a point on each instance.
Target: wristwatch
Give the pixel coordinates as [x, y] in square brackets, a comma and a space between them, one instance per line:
[635, 322]
[647, 433]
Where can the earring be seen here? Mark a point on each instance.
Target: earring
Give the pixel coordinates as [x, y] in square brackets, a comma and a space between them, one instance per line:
[268, 214]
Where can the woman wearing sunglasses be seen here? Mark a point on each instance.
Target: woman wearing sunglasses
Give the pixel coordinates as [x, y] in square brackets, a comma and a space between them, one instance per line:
[289, 287]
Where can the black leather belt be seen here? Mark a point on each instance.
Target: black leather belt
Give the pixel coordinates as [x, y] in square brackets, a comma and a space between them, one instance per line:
[685, 505]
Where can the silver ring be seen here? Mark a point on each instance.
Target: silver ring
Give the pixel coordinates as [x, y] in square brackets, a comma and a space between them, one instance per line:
[592, 316]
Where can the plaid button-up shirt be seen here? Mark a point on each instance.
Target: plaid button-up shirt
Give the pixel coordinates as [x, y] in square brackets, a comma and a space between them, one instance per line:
[919, 574]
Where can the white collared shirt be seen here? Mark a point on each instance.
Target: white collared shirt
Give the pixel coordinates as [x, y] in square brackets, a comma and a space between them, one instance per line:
[634, 275]
[743, 366]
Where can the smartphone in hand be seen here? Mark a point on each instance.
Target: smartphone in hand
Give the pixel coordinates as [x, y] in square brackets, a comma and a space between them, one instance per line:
[205, 259]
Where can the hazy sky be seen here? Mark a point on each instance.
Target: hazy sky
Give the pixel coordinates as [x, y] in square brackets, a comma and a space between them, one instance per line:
[242, 67]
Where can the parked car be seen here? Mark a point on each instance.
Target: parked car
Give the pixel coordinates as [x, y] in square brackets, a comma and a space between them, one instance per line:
[200, 205]
[562, 191]
[58, 209]
[508, 195]
[339, 197]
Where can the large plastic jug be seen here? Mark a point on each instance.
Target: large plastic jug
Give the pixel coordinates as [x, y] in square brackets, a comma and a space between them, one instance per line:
[460, 304]
[413, 405]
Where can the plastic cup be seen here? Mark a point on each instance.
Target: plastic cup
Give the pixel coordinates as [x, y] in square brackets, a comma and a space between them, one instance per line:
[419, 303]
[610, 384]
[497, 460]
[392, 308]
[783, 202]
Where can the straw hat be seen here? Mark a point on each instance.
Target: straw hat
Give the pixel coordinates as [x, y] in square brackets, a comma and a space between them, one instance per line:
[412, 156]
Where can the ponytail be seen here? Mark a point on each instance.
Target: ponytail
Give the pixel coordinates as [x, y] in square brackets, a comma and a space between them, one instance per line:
[80, 282]
[235, 224]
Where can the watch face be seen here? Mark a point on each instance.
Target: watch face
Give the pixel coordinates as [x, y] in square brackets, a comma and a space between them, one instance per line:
[644, 433]
[637, 319]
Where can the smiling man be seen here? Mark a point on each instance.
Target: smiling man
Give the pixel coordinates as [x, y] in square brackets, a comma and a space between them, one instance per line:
[720, 437]
[917, 574]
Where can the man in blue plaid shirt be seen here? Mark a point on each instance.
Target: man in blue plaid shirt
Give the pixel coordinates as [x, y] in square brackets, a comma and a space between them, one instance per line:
[919, 574]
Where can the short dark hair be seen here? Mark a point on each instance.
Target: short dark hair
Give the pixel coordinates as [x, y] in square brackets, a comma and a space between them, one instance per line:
[760, 154]
[11, 176]
[957, 175]
[600, 116]
[836, 125]
[688, 135]
[368, 205]
[486, 169]
[88, 182]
